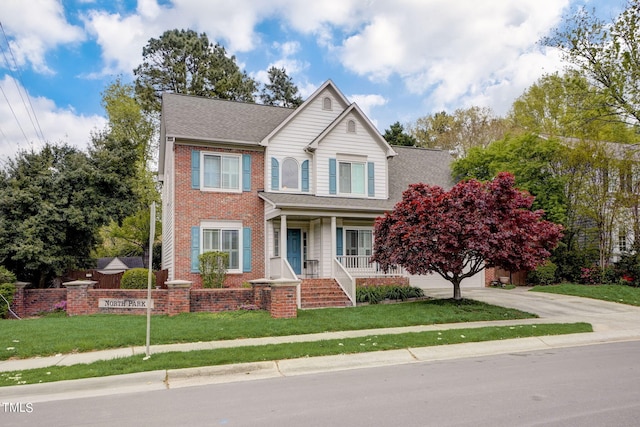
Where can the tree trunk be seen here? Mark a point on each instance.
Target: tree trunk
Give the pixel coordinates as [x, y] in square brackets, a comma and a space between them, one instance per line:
[457, 295]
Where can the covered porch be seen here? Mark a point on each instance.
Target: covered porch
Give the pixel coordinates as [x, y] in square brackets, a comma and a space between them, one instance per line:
[326, 238]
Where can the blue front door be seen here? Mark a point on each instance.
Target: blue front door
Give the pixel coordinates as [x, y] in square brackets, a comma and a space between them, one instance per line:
[294, 252]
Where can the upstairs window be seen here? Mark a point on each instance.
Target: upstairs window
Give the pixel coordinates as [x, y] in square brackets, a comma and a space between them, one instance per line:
[326, 103]
[221, 172]
[290, 174]
[351, 126]
[351, 178]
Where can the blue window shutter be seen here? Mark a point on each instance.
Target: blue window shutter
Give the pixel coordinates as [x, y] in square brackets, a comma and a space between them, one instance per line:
[371, 178]
[195, 169]
[246, 249]
[195, 249]
[332, 176]
[305, 175]
[339, 250]
[275, 174]
[246, 172]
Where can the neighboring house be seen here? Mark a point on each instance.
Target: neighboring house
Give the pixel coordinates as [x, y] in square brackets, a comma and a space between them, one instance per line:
[288, 193]
[119, 264]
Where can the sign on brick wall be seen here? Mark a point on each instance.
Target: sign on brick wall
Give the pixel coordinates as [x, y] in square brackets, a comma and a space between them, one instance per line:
[123, 303]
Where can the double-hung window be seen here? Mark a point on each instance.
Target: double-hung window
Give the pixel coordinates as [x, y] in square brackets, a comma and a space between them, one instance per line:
[221, 172]
[223, 240]
[352, 177]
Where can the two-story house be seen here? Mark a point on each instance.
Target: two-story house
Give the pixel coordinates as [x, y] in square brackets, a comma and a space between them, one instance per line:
[288, 193]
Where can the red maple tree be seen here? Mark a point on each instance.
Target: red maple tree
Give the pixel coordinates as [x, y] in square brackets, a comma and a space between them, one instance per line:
[459, 232]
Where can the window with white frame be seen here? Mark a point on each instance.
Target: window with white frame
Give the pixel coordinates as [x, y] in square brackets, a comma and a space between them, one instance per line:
[359, 242]
[223, 239]
[290, 174]
[352, 177]
[221, 172]
[622, 242]
[326, 103]
[276, 243]
[351, 126]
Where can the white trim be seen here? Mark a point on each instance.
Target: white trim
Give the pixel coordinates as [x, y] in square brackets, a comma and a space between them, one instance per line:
[203, 154]
[224, 225]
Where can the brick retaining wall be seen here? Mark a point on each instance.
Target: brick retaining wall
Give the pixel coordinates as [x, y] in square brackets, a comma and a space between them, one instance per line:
[81, 299]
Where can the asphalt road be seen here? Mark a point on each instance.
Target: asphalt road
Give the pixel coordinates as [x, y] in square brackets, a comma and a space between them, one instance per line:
[597, 385]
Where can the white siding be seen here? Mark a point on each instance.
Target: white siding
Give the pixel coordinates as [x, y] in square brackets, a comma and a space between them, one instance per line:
[291, 140]
[168, 199]
[435, 281]
[361, 143]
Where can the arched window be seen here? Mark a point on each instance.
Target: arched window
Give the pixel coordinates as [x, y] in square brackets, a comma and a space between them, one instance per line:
[290, 177]
[351, 126]
[326, 103]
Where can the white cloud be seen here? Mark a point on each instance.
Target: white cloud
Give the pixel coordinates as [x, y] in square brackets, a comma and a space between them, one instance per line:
[455, 49]
[34, 31]
[368, 102]
[21, 128]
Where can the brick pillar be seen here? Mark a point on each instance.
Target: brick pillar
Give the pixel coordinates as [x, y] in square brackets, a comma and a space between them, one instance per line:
[77, 296]
[260, 297]
[489, 276]
[18, 305]
[179, 298]
[284, 299]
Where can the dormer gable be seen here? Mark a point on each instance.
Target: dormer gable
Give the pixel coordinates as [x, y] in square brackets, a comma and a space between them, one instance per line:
[327, 98]
[353, 120]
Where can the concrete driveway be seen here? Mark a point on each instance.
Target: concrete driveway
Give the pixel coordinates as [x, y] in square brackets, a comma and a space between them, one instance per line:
[603, 315]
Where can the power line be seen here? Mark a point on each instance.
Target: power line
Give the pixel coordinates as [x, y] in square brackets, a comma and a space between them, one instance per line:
[38, 129]
[14, 115]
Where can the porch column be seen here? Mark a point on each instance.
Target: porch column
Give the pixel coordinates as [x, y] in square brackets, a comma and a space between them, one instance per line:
[334, 234]
[283, 242]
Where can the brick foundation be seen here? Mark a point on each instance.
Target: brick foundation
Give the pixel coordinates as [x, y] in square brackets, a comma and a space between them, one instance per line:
[382, 281]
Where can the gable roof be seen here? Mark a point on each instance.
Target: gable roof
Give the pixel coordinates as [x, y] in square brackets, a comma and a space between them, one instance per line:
[194, 117]
[353, 108]
[120, 263]
[413, 165]
[326, 85]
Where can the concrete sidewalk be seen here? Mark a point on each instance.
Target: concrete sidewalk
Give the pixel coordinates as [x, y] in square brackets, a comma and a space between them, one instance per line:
[611, 322]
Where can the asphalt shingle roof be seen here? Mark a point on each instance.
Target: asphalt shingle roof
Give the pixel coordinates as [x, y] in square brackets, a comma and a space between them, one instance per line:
[194, 117]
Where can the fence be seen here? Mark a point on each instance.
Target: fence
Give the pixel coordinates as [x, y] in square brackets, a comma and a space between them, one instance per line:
[112, 281]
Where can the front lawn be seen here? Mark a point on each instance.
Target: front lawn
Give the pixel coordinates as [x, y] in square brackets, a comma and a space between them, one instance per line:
[176, 360]
[55, 334]
[615, 293]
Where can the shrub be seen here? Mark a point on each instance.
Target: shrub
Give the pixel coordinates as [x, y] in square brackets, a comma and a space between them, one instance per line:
[7, 290]
[137, 278]
[213, 268]
[545, 274]
[375, 294]
[6, 276]
[628, 269]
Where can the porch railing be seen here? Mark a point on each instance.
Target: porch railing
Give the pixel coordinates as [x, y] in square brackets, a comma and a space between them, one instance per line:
[360, 266]
[345, 280]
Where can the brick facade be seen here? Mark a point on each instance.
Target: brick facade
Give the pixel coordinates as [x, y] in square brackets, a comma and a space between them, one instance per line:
[382, 281]
[217, 206]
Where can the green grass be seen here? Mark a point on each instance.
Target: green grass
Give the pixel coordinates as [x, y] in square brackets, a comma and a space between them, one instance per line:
[175, 360]
[56, 334]
[615, 293]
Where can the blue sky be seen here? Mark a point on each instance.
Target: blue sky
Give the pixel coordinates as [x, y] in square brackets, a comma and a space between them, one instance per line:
[398, 59]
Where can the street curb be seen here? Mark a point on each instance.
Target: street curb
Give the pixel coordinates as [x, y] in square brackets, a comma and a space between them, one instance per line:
[72, 389]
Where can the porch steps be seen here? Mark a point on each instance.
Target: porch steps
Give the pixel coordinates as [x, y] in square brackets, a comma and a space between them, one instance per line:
[322, 293]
